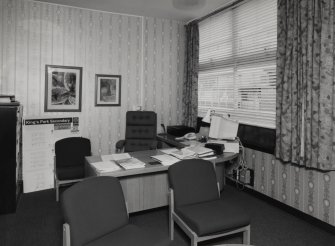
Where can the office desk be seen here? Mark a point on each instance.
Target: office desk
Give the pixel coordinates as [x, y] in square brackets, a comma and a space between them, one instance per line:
[145, 188]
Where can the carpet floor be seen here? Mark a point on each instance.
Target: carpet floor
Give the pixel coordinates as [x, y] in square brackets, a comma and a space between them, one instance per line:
[38, 222]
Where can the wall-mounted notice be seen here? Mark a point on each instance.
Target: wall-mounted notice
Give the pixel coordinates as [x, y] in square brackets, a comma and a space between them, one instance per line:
[39, 137]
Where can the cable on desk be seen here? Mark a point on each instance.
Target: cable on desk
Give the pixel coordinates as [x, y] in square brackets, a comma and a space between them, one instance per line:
[241, 166]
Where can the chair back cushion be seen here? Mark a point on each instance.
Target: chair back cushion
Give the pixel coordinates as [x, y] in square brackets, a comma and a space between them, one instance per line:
[72, 151]
[93, 208]
[193, 181]
[141, 130]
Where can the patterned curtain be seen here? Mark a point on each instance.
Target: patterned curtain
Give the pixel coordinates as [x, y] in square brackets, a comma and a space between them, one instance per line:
[190, 86]
[305, 127]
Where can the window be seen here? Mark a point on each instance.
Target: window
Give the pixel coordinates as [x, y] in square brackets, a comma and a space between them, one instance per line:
[237, 63]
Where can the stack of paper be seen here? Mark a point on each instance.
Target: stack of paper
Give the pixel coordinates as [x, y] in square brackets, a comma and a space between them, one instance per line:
[229, 146]
[184, 153]
[201, 151]
[212, 157]
[169, 150]
[165, 159]
[115, 157]
[105, 166]
[130, 163]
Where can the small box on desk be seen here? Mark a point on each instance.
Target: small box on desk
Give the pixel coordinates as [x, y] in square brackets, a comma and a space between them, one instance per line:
[179, 130]
[218, 148]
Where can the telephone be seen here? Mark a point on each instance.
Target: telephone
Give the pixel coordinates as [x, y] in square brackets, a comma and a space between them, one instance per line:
[188, 136]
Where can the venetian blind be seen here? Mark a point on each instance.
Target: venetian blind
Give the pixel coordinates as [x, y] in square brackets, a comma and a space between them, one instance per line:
[237, 63]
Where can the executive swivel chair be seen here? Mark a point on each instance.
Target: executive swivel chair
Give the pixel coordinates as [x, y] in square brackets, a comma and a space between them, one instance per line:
[70, 160]
[196, 206]
[95, 214]
[141, 131]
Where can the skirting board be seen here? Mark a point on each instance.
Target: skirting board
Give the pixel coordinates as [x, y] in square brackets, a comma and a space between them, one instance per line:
[308, 218]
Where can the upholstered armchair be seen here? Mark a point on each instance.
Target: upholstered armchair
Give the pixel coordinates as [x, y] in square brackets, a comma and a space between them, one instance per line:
[141, 131]
[196, 206]
[70, 161]
[95, 214]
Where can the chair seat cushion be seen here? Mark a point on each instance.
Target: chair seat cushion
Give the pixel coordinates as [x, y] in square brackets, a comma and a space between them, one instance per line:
[213, 217]
[70, 172]
[128, 235]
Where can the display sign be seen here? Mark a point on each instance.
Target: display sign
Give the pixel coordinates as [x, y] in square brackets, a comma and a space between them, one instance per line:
[38, 139]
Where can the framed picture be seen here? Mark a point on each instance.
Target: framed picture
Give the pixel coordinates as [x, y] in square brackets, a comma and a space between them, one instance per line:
[62, 89]
[107, 90]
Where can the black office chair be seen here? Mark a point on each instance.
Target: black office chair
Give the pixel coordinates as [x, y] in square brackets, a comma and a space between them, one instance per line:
[196, 206]
[95, 214]
[141, 131]
[70, 160]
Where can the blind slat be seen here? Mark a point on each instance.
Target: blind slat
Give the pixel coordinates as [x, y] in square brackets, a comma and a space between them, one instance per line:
[237, 63]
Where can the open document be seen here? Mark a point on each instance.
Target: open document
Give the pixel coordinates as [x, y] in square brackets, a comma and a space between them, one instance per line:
[131, 163]
[105, 166]
[184, 153]
[165, 159]
[124, 160]
[115, 157]
[201, 151]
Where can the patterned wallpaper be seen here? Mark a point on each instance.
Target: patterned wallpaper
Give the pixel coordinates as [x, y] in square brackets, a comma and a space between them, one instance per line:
[149, 54]
[146, 52]
[309, 191]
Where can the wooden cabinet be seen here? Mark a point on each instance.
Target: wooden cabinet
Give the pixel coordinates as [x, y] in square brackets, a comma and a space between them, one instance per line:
[10, 156]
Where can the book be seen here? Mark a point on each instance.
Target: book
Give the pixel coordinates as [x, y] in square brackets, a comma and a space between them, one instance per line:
[105, 166]
[165, 160]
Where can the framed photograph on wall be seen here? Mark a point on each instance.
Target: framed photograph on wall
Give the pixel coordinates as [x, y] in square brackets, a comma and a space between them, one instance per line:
[62, 88]
[107, 90]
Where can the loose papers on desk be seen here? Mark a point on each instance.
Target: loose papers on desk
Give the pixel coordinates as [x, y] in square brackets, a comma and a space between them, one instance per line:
[169, 150]
[115, 157]
[124, 160]
[105, 166]
[165, 160]
[131, 163]
[183, 153]
[201, 151]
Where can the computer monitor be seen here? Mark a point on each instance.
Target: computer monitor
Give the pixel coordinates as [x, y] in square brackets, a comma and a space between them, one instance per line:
[223, 128]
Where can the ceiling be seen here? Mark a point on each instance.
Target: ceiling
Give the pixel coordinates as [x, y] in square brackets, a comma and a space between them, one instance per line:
[154, 8]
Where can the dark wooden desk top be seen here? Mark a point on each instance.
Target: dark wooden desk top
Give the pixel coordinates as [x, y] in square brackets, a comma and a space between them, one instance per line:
[170, 139]
[145, 157]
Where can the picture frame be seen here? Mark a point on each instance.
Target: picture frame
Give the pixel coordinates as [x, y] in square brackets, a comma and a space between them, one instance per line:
[63, 85]
[107, 90]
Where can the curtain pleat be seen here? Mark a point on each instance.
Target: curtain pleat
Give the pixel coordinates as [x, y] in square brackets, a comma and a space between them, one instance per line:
[190, 85]
[305, 83]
